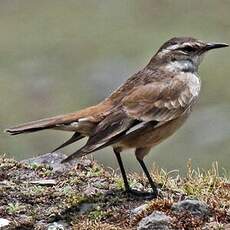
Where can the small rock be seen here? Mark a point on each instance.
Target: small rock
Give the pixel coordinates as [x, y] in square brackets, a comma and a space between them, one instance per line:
[155, 221]
[47, 158]
[91, 191]
[44, 182]
[214, 225]
[139, 209]
[195, 207]
[52, 159]
[86, 207]
[137, 186]
[57, 226]
[4, 223]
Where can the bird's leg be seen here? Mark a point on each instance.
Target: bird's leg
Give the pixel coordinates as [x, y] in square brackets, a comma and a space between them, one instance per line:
[151, 182]
[140, 153]
[117, 152]
[137, 193]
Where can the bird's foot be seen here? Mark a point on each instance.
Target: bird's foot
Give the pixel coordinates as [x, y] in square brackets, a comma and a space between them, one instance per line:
[143, 195]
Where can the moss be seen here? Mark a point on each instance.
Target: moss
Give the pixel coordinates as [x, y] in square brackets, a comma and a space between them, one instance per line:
[97, 214]
[15, 208]
[75, 200]
[95, 171]
[119, 183]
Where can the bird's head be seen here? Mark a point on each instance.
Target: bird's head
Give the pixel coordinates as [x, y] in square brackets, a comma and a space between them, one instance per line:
[184, 53]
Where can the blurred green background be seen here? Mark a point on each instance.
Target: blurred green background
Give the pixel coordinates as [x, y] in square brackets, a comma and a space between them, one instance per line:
[60, 56]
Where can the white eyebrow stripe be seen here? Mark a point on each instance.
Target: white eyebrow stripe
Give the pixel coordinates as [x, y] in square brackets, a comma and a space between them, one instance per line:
[173, 47]
[168, 49]
[176, 46]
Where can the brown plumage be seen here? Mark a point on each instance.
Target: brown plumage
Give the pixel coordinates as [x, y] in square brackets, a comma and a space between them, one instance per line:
[149, 107]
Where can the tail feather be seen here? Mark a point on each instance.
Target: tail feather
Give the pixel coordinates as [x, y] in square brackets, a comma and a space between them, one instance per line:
[92, 112]
[52, 122]
[85, 150]
[35, 125]
[77, 136]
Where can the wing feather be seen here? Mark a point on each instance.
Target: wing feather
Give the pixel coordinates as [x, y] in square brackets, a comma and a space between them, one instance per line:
[160, 101]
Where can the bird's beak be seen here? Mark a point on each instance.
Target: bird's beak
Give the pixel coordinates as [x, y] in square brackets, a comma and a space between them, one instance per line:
[210, 46]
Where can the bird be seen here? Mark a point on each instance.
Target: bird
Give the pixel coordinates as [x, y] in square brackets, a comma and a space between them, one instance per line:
[148, 108]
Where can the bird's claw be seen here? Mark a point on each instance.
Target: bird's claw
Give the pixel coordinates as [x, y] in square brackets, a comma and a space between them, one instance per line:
[140, 194]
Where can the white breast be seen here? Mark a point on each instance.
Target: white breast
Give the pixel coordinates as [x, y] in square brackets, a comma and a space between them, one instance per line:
[194, 83]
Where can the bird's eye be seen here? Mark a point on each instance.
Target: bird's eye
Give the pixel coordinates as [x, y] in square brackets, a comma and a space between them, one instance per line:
[188, 49]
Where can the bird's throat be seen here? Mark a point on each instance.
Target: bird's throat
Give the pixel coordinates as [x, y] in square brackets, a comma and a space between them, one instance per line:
[181, 66]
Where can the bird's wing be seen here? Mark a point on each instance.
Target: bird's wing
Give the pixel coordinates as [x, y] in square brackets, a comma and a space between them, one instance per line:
[153, 103]
[159, 101]
[106, 132]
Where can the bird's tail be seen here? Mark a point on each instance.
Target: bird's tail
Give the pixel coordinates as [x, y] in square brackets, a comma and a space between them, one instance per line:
[34, 126]
[62, 122]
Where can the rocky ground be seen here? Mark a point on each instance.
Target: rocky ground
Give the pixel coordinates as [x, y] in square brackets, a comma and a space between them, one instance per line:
[41, 193]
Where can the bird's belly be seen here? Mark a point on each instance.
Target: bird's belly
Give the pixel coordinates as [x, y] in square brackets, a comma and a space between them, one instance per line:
[151, 136]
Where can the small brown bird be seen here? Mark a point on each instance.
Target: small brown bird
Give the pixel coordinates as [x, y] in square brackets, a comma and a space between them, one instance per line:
[149, 107]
